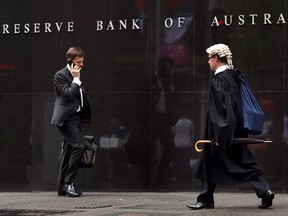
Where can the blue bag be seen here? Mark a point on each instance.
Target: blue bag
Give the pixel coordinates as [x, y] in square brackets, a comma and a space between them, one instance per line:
[253, 116]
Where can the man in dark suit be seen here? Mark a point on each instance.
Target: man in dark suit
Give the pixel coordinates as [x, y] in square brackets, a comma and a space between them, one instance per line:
[71, 109]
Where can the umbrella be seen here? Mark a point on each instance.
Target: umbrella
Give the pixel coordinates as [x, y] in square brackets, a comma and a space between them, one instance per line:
[235, 141]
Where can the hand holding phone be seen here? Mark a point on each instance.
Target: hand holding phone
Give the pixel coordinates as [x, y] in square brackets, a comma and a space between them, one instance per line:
[74, 69]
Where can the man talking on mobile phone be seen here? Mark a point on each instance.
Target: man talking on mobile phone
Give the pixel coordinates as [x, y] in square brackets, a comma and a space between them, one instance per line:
[71, 109]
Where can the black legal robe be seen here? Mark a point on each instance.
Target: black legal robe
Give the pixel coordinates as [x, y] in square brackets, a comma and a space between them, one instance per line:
[227, 163]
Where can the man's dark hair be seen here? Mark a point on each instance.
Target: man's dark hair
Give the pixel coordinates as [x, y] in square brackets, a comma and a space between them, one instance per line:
[74, 52]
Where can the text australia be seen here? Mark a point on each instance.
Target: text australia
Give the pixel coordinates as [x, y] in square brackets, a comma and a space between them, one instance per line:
[252, 19]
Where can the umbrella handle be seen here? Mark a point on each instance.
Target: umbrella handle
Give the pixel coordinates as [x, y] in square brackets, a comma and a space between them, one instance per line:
[201, 142]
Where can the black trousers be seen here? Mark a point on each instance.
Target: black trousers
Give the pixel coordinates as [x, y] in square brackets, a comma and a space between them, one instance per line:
[72, 150]
[259, 184]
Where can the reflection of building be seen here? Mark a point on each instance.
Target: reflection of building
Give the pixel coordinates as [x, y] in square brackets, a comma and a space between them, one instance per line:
[116, 66]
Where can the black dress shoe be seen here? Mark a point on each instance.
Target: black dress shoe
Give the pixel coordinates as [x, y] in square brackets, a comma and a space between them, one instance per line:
[71, 191]
[267, 199]
[61, 192]
[200, 205]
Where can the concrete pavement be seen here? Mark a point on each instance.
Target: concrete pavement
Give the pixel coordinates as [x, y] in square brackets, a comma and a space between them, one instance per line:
[135, 204]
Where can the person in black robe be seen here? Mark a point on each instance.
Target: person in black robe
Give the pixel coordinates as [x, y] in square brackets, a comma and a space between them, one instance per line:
[224, 162]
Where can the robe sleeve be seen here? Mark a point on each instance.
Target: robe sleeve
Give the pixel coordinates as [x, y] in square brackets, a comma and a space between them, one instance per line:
[221, 112]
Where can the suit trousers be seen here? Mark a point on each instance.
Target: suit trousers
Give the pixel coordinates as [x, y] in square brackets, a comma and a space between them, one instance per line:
[72, 150]
[258, 183]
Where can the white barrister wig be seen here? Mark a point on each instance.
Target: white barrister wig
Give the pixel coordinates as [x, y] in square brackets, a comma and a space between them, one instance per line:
[221, 50]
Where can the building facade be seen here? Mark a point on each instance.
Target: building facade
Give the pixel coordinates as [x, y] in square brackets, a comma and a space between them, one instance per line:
[123, 40]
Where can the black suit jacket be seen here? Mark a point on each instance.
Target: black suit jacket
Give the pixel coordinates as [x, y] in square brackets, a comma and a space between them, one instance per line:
[67, 99]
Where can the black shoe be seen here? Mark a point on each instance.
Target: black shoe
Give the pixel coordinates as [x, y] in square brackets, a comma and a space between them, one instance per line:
[61, 192]
[267, 199]
[71, 191]
[200, 205]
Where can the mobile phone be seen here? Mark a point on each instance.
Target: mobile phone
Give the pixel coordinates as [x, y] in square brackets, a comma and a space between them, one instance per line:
[70, 62]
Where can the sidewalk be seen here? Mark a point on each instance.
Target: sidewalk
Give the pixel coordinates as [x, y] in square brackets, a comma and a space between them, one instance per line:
[135, 204]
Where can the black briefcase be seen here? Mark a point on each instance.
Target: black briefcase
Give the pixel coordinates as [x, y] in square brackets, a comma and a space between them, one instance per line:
[89, 157]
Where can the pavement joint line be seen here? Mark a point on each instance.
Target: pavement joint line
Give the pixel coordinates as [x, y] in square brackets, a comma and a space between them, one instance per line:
[93, 206]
